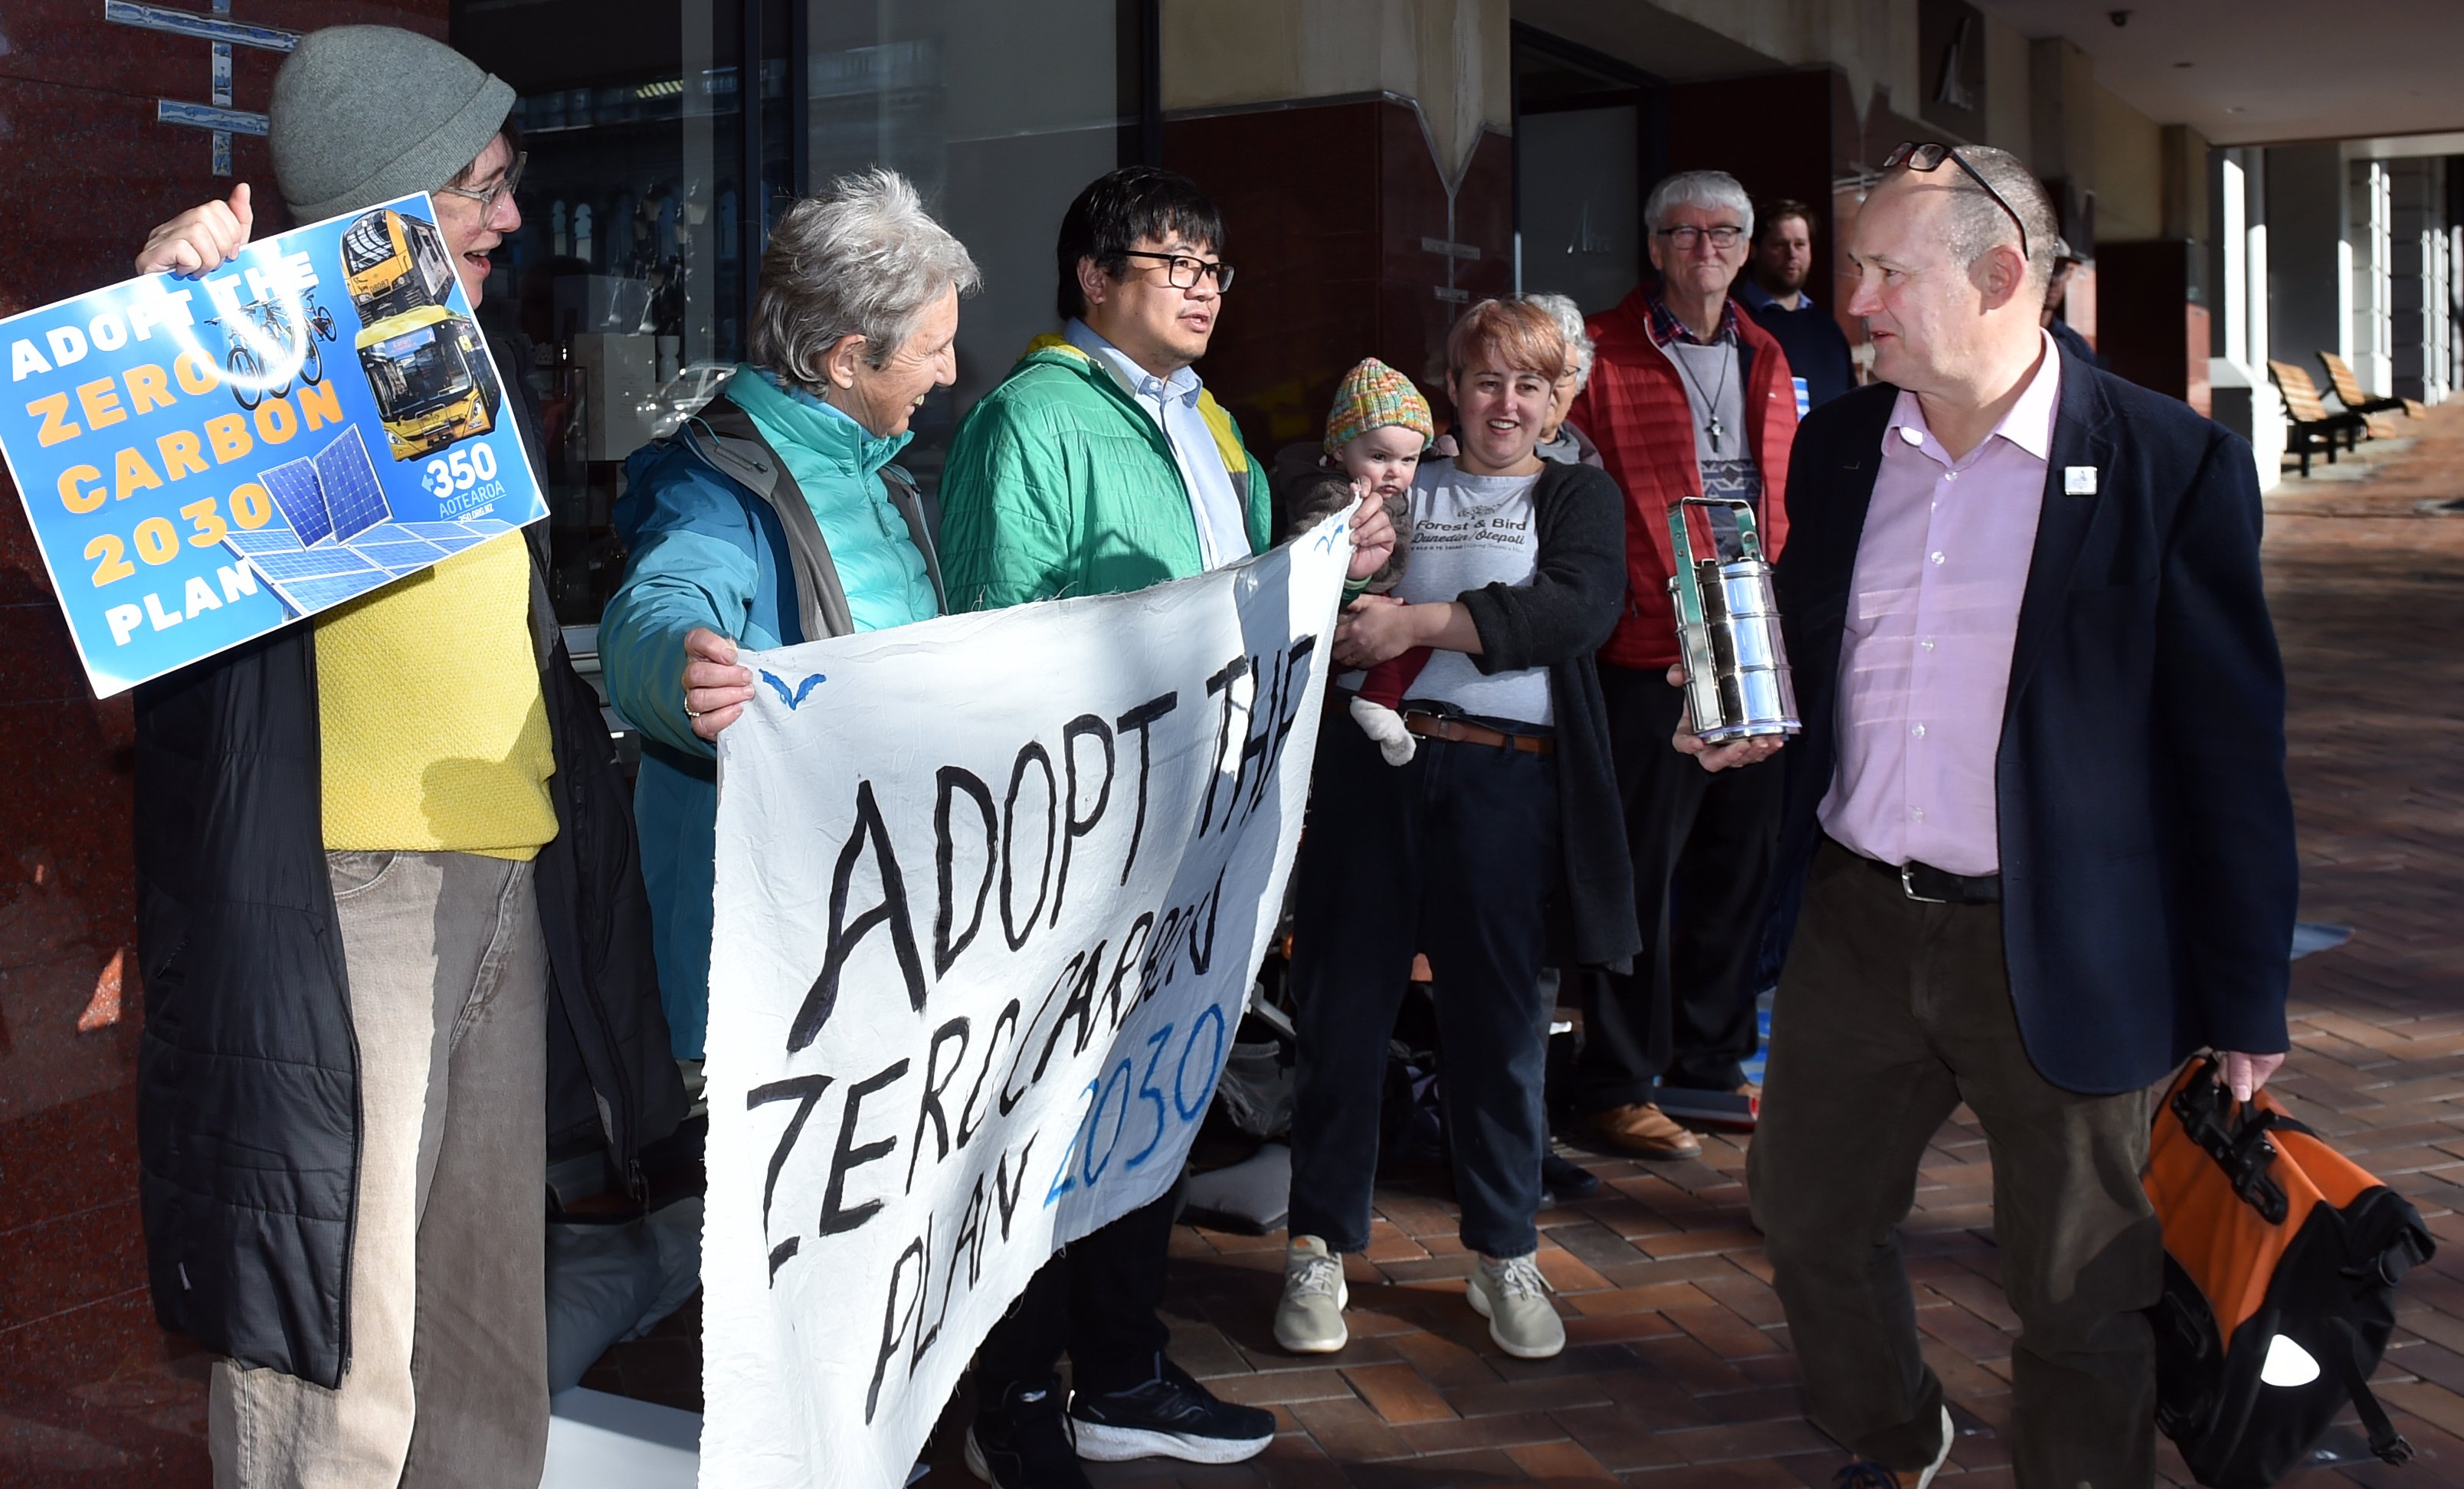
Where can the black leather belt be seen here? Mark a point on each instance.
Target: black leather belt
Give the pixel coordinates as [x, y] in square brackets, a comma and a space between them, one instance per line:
[1931, 885]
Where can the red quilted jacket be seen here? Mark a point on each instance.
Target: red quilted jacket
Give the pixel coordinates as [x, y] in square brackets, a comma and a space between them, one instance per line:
[1635, 409]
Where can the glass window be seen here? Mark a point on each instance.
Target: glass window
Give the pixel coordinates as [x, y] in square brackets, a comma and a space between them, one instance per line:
[624, 292]
[1583, 127]
[1000, 111]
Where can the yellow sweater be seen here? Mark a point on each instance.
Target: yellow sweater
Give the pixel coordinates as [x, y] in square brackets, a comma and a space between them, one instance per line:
[435, 732]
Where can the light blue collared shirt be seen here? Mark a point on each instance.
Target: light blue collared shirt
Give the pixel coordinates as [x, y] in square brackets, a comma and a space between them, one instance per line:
[1216, 502]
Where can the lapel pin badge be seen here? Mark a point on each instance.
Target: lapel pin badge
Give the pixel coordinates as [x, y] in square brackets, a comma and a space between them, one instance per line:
[2079, 480]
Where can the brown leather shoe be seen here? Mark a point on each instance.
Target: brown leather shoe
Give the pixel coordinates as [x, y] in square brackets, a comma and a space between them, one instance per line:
[1645, 1131]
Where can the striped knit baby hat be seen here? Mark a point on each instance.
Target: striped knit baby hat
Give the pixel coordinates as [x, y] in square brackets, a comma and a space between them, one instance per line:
[1374, 394]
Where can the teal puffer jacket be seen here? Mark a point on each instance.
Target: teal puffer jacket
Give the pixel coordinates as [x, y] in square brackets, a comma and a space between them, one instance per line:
[706, 548]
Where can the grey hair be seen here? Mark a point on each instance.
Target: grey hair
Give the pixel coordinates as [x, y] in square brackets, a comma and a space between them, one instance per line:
[1715, 189]
[1977, 223]
[863, 259]
[1569, 321]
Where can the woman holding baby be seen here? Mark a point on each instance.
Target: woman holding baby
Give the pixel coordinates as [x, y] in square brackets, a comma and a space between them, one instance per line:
[1497, 835]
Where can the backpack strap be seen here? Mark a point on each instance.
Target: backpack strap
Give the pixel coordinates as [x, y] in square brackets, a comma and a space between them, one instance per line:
[728, 440]
[909, 503]
[2386, 1444]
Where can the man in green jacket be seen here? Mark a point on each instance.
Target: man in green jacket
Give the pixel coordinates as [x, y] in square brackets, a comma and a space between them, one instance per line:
[1102, 465]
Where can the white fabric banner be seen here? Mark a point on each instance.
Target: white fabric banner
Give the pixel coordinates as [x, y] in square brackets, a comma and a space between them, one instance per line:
[991, 893]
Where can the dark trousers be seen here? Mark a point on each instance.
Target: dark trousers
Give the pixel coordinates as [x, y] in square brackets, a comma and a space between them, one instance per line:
[1704, 841]
[1891, 1012]
[1095, 1297]
[1453, 855]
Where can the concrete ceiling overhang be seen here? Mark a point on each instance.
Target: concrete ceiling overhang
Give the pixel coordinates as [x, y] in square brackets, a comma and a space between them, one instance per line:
[2264, 71]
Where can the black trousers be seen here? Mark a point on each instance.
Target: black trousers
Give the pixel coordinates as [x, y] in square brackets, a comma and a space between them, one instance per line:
[1891, 1012]
[1703, 845]
[1096, 1299]
[1452, 855]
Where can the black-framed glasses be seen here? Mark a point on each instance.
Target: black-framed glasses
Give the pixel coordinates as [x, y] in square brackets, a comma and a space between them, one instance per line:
[1928, 156]
[1183, 271]
[1724, 237]
[487, 199]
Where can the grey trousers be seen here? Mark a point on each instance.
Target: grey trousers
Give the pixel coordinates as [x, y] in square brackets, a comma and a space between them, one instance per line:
[445, 1378]
[1891, 1012]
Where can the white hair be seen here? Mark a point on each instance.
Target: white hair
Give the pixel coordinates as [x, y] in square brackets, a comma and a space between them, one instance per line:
[1569, 321]
[1714, 189]
[863, 258]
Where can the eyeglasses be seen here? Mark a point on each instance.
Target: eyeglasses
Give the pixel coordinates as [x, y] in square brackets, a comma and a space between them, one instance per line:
[1723, 237]
[1184, 272]
[1928, 158]
[487, 199]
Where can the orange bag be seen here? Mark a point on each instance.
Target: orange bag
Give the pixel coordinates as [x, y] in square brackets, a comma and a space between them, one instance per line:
[2281, 1259]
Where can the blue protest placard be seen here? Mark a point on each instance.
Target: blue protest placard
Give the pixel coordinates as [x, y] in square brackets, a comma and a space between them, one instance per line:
[206, 460]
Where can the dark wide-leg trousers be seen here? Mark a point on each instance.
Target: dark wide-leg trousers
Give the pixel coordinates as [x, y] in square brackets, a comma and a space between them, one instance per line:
[1703, 844]
[1453, 855]
[1892, 1012]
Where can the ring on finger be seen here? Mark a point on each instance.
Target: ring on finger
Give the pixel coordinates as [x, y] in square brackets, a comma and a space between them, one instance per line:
[691, 712]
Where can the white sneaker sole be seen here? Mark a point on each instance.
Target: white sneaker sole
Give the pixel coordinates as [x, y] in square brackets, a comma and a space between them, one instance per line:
[1950, 1435]
[1480, 1306]
[1102, 1443]
[1342, 1334]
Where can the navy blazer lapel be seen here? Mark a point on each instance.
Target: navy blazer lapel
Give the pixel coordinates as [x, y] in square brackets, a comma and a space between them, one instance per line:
[1853, 462]
[2080, 438]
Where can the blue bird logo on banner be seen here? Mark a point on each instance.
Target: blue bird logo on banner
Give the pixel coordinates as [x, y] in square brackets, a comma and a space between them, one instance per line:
[792, 698]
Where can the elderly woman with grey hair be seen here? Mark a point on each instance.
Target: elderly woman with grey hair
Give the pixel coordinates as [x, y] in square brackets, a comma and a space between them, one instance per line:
[773, 516]
[1559, 440]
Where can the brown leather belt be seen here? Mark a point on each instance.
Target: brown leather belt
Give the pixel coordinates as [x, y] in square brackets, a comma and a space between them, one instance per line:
[1455, 730]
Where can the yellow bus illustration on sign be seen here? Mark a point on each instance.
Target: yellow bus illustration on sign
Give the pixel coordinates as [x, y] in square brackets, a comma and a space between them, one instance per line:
[426, 365]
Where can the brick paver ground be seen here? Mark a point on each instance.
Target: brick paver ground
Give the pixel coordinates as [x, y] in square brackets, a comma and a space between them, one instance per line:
[1678, 1372]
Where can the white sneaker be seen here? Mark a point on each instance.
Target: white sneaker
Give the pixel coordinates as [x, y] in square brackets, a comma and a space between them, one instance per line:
[1310, 1320]
[1385, 727]
[1513, 1297]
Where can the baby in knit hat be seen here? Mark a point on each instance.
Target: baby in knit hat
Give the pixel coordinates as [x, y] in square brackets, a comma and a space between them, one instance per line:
[1375, 436]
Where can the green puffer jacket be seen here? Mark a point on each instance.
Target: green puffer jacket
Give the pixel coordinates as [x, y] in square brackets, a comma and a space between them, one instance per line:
[1058, 484]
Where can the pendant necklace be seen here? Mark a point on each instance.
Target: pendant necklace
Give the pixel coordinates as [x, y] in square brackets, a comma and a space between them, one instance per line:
[1711, 400]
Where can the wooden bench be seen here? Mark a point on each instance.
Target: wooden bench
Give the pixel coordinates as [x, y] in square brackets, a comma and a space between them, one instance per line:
[2348, 392]
[2309, 427]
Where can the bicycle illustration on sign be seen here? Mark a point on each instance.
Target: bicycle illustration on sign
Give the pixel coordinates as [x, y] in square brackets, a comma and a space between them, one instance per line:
[267, 353]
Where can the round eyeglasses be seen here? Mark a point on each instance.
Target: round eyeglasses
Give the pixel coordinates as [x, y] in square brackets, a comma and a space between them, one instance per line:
[487, 199]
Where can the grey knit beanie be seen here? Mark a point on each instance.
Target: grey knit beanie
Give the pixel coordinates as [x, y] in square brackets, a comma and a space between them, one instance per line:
[364, 114]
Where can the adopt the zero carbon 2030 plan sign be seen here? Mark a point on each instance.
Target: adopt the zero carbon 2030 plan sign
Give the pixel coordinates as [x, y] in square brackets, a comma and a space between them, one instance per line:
[207, 460]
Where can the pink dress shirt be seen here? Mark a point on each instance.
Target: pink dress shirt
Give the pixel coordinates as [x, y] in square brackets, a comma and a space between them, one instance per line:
[1925, 661]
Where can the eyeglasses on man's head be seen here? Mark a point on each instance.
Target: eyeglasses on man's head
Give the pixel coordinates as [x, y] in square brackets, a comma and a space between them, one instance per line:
[1183, 271]
[1928, 156]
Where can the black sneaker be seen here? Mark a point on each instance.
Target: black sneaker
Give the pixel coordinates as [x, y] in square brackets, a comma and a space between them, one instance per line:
[1171, 1416]
[1022, 1441]
[1562, 1179]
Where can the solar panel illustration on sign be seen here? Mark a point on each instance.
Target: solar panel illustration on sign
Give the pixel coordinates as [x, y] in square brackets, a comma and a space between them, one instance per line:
[308, 579]
[332, 493]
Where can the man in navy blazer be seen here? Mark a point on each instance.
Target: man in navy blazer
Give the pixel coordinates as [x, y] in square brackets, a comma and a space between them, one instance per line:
[2040, 800]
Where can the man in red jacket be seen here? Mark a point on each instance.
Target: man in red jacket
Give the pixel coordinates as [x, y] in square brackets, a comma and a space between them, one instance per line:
[1688, 397]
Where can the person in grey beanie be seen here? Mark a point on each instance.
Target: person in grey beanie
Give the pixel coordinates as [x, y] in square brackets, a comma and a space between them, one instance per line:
[387, 881]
